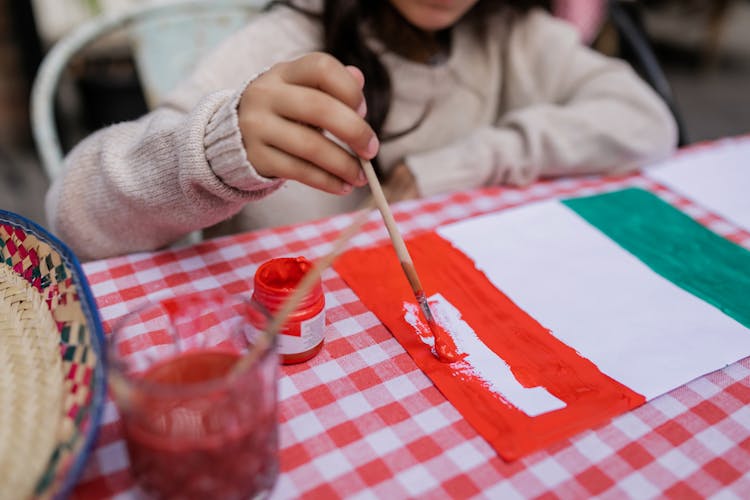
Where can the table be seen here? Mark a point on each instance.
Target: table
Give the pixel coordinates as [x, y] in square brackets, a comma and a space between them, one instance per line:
[361, 420]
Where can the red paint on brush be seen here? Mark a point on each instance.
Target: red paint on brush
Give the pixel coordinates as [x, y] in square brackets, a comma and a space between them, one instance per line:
[445, 347]
[536, 357]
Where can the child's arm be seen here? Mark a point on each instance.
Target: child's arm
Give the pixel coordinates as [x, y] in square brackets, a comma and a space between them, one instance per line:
[144, 184]
[569, 111]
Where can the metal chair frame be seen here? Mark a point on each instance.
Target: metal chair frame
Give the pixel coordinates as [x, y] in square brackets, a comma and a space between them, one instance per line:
[43, 94]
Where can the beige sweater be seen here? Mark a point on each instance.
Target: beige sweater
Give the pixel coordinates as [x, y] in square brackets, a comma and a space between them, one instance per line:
[524, 100]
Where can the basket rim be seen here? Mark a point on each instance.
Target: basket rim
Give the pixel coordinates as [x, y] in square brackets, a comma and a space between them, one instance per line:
[91, 312]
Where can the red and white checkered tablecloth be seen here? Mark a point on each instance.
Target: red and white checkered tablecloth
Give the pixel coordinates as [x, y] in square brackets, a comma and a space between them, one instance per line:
[361, 420]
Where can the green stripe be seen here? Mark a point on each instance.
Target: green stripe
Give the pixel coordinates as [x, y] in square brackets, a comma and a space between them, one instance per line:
[674, 246]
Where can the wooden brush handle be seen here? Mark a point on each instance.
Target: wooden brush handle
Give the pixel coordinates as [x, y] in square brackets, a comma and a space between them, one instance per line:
[390, 224]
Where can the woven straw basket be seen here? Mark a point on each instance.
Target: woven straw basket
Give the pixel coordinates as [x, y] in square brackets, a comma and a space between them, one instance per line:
[52, 370]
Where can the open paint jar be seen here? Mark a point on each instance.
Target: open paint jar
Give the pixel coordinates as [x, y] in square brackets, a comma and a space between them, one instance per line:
[301, 336]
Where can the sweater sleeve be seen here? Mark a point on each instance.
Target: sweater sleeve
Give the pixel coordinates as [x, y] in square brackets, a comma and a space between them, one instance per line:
[567, 111]
[144, 184]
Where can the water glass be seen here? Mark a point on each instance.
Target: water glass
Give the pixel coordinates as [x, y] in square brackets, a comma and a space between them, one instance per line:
[195, 384]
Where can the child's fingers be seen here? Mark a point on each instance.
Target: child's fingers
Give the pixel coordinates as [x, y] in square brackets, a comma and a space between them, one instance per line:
[282, 115]
[313, 147]
[264, 127]
[360, 77]
[320, 110]
[291, 167]
[324, 72]
[357, 74]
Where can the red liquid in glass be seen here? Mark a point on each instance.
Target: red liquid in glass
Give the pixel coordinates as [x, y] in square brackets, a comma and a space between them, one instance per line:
[214, 443]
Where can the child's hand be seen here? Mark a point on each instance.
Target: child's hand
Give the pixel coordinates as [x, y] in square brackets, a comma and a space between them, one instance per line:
[284, 111]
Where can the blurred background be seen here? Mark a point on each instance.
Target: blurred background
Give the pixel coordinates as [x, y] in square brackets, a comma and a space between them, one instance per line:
[702, 46]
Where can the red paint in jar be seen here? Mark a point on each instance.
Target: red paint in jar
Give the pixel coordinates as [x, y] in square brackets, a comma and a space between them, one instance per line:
[301, 337]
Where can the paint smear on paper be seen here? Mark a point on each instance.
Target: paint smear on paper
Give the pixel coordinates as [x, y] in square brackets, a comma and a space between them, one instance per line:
[534, 356]
[476, 364]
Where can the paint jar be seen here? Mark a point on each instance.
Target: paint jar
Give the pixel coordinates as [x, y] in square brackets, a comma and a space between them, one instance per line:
[301, 337]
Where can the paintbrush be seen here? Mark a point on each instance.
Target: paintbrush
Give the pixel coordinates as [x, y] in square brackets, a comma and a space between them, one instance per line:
[275, 322]
[444, 353]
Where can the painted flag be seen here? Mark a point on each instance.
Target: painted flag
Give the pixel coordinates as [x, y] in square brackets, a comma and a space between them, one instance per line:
[564, 313]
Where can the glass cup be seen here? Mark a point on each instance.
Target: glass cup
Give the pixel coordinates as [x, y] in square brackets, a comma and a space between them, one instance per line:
[195, 383]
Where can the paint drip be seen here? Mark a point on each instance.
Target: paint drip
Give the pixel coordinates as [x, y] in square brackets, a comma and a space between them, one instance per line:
[445, 349]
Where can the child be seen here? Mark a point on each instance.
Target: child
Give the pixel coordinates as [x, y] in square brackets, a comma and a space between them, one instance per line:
[457, 94]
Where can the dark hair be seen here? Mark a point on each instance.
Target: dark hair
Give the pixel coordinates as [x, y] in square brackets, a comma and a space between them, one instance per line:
[345, 27]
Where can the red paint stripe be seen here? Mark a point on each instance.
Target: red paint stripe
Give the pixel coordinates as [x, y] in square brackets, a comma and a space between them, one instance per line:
[535, 356]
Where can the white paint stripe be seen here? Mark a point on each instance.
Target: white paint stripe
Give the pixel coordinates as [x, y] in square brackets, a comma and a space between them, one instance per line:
[480, 361]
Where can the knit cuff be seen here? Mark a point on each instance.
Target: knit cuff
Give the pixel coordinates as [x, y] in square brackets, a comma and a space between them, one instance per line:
[226, 153]
[488, 156]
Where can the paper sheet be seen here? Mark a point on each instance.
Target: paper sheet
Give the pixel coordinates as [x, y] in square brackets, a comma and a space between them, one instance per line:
[717, 178]
[636, 326]
[519, 386]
